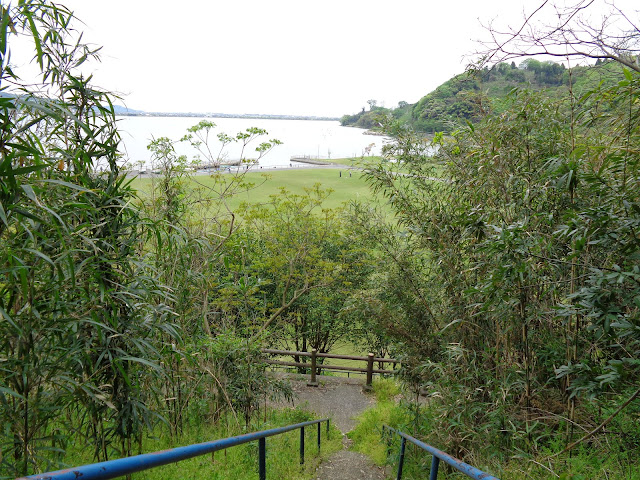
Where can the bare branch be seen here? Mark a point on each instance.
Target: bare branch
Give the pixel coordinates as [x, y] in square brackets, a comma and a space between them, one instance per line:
[616, 36]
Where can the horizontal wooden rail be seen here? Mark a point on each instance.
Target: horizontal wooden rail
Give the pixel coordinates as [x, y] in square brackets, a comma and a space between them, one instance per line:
[328, 367]
[313, 365]
[328, 355]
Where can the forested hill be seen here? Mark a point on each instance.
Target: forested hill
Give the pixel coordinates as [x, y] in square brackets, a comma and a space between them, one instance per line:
[467, 95]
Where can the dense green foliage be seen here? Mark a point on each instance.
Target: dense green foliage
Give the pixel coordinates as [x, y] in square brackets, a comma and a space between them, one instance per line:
[105, 315]
[520, 313]
[468, 96]
[508, 281]
[80, 335]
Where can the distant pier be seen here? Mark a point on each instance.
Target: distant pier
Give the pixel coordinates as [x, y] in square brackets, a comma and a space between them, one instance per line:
[217, 165]
[308, 159]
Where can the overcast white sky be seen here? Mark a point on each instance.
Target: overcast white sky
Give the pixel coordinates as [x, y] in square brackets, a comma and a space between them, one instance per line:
[283, 56]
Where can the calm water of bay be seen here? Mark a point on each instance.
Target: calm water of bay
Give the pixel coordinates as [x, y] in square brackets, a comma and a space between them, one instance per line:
[322, 139]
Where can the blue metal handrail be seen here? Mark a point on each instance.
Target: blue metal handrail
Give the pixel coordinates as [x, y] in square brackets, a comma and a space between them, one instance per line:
[129, 465]
[438, 455]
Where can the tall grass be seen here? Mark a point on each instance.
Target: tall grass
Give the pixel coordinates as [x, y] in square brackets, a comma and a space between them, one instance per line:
[366, 436]
[241, 462]
[390, 409]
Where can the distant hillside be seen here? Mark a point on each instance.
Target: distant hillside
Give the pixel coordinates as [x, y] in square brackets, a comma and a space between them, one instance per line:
[120, 110]
[466, 96]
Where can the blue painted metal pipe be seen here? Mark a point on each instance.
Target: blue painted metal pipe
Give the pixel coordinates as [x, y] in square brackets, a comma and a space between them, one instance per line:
[468, 470]
[433, 473]
[401, 459]
[262, 459]
[129, 465]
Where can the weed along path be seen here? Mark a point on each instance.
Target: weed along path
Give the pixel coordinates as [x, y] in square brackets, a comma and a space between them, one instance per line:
[342, 400]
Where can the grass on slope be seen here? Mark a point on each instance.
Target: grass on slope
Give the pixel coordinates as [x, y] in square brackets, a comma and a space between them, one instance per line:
[367, 434]
[582, 464]
[241, 462]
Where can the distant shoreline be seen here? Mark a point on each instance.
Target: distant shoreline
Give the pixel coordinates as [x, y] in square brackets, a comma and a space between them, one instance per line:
[252, 116]
[252, 169]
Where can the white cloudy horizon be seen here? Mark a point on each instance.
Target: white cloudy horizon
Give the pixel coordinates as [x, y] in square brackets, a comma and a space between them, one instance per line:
[284, 56]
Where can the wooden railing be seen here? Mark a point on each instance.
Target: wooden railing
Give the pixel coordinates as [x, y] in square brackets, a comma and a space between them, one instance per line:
[370, 359]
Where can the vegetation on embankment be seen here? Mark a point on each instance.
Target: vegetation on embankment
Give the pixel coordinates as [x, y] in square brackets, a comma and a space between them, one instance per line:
[468, 96]
[419, 420]
[241, 462]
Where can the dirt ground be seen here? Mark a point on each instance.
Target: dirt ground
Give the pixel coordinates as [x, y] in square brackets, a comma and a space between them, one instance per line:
[341, 399]
[338, 398]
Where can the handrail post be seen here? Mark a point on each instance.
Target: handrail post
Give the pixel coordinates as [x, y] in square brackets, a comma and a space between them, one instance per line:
[301, 445]
[313, 382]
[328, 429]
[318, 438]
[370, 357]
[435, 462]
[262, 463]
[401, 460]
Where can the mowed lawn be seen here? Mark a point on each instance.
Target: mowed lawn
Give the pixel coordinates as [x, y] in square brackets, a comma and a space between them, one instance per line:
[346, 184]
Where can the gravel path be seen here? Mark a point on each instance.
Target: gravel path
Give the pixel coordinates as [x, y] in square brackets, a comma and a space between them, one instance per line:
[340, 399]
[348, 465]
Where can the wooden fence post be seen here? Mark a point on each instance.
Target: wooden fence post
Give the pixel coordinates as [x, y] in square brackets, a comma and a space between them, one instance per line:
[370, 357]
[312, 381]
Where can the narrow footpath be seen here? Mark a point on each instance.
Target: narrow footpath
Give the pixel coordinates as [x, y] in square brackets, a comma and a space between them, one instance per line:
[340, 399]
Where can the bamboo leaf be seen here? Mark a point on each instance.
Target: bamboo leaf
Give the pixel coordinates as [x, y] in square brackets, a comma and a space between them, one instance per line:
[35, 34]
[8, 391]
[41, 255]
[3, 216]
[69, 185]
[28, 190]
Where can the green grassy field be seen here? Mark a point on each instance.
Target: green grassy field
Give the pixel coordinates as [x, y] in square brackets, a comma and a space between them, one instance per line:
[347, 184]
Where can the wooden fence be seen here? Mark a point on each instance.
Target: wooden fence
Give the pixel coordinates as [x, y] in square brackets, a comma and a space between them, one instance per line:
[370, 359]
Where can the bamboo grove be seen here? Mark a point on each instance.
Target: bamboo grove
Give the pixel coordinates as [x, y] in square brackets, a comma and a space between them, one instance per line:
[518, 273]
[125, 313]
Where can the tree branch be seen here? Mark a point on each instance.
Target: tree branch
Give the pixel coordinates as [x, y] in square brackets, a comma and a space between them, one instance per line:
[601, 426]
[296, 295]
[571, 36]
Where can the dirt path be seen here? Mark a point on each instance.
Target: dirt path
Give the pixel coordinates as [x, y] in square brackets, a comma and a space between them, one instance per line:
[349, 465]
[340, 399]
